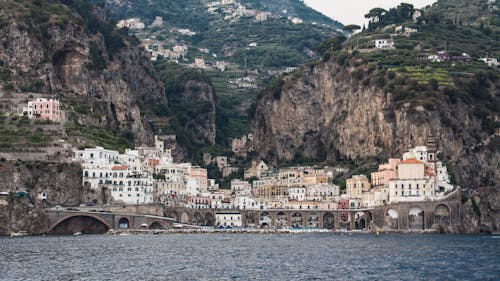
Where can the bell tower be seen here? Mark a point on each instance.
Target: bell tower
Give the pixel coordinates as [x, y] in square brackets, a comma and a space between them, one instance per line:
[431, 151]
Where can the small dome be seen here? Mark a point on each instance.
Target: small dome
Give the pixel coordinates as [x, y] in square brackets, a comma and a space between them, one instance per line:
[409, 155]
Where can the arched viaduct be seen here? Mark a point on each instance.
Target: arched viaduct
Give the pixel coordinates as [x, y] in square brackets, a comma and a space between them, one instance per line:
[68, 222]
[411, 216]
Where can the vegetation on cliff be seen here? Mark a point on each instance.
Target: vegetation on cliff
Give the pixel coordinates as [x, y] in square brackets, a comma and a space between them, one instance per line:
[360, 103]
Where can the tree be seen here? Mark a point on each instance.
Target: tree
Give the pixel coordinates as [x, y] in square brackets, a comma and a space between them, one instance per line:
[332, 44]
[375, 14]
[351, 28]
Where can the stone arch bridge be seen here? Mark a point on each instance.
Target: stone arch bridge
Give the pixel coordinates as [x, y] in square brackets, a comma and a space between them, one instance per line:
[398, 217]
[70, 221]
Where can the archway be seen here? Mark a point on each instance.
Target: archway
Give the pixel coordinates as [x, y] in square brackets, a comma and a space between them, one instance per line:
[156, 225]
[173, 215]
[265, 219]
[197, 219]
[250, 219]
[416, 218]
[442, 214]
[392, 219]
[209, 219]
[123, 223]
[281, 220]
[360, 223]
[297, 220]
[328, 221]
[82, 224]
[312, 220]
[184, 217]
[360, 220]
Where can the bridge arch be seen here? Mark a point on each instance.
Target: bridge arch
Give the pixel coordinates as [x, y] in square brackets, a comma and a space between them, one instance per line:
[360, 220]
[392, 218]
[156, 225]
[313, 220]
[172, 214]
[416, 219]
[265, 220]
[328, 220]
[197, 219]
[123, 223]
[84, 223]
[297, 221]
[281, 220]
[442, 214]
[185, 217]
[209, 219]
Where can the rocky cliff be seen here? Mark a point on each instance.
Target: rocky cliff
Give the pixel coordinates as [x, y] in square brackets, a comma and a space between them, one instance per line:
[69, 50]
[336, 113]
[481, 212]
[61, 183]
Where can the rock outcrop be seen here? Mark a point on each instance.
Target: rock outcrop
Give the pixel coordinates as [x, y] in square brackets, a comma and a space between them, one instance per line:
[78, 56]
[60, 182]
[481, 212]
[324, 113]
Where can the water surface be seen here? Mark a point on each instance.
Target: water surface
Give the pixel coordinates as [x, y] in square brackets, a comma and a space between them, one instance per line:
[251, 256]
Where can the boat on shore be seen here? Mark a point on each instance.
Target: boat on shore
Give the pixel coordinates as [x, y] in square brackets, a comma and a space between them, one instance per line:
[19, 234]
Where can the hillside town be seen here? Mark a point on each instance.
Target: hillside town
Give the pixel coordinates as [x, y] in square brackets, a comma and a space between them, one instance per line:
[148, 175]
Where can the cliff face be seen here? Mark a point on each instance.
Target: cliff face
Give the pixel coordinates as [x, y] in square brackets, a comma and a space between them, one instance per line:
[201, 121]
[61, 182]
[81, 58]
[481, 212]
[324, 113]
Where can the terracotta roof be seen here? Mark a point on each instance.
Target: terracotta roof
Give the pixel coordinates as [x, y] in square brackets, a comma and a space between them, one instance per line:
[429, 173]
[411, 161]
[154, 161]
[119, 168]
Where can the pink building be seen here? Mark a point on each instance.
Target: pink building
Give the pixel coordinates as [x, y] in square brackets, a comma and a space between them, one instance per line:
[386, 172]
[42, 108]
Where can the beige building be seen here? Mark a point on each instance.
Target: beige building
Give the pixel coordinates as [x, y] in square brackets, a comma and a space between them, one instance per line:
[291, 177]
[385, 173]
[200, 174]
[256, 169]
[357, 185]
[414, 182]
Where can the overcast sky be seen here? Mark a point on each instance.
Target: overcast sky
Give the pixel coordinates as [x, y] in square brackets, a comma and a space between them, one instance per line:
[353, 11]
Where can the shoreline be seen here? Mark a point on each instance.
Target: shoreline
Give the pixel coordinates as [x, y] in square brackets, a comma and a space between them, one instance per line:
[259, 231]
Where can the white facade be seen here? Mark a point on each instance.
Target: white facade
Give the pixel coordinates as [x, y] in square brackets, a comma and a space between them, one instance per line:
[384, 43]
[239, 187]
[411, 190]
[491, 62]
[228, 219]
[97, 155]
[322, 192]
[297, 193]
[132, 188]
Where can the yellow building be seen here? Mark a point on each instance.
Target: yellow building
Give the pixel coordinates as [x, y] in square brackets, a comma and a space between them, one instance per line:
[357, 185]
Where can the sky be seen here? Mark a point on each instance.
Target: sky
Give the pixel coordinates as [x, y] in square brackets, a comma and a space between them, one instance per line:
[353, 11]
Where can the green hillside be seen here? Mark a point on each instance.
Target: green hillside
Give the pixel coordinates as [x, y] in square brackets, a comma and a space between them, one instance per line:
[435, 58]
[250, 48]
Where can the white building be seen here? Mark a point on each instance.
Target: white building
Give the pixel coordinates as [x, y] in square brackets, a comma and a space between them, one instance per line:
[491, 62]
[228, 219]
[384, 44]
[297, 193]
[414, 183]
[322, 192]
[239, 187]
[97, 155]
[130, 187]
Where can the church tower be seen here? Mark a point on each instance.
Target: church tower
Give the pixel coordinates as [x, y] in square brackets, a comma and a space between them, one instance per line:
[431, 152]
